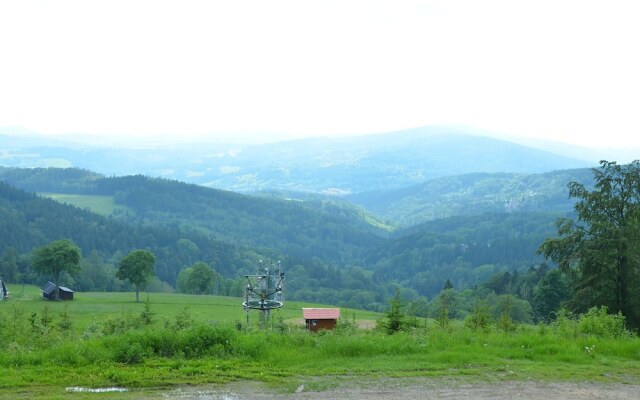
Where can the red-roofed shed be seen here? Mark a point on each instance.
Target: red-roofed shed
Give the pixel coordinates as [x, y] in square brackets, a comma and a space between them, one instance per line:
[320, 318]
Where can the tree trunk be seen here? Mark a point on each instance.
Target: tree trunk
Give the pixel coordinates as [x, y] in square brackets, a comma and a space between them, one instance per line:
[57, 287]
[621, 287]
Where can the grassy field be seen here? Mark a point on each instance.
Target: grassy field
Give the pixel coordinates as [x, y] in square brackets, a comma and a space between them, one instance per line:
[103, 205]
[105, 339]
[87, 308]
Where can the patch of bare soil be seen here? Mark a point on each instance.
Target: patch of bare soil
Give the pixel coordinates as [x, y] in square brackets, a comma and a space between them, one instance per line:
[415, 388]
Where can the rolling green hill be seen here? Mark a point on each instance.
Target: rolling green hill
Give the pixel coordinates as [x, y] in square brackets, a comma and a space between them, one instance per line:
[332, 230]
[474, 194]
[332, 251]
[183, 224]
[464, 250]
[28, 221]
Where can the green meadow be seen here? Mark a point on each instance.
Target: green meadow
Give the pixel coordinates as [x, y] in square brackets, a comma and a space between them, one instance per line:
[90, 307]
[106, 339]
[103, 205]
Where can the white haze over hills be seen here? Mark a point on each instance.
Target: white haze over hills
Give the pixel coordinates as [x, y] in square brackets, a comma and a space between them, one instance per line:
[337, 165]
[580, 151]
[619, 154]
[149, 72]
[247, 138]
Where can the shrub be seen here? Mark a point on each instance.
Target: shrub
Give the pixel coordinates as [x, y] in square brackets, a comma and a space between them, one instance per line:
[345, 327]
[565, 323]
[183, 319]
[207, 340]
[94, 329]
[130, 353]
[65, 322]
[197, 341]
[395, 316]
[121, 324]
[252, 346]
[67, 353]
[146, 316]
[480, 317]
[162, 343]
[598, 322]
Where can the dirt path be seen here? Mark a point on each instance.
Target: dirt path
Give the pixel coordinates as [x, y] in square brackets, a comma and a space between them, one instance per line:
[417, 388]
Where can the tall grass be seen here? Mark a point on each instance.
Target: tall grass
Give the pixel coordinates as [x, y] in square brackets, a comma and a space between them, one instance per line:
[123, 349]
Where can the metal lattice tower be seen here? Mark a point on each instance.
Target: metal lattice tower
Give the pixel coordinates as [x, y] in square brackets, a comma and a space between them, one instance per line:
[264, 291]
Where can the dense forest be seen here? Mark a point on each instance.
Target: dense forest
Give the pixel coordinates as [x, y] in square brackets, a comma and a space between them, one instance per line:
[333, 252]
[474, 194]
[30, 221]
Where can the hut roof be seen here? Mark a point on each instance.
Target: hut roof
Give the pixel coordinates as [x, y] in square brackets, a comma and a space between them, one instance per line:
[48, 288]
[51, 287]
[321, 313]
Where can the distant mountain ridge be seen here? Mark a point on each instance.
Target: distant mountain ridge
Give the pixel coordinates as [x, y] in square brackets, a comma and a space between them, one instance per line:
[319, 165]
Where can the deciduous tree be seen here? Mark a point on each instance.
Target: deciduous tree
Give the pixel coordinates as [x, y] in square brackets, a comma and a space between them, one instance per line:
[9, 265]
[57, 257]
[137, 267]
[197, 279]
[549, 295]
[601, 249]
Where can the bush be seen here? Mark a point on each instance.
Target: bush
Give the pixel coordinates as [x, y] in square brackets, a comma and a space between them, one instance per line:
[598, 322]
[565, 323]
[121, 324]
[207, 340]
[345, 327]
[252, 346]
[129, 353]
[183, 319]
[480, 317]
[197, 341]
[67, 353]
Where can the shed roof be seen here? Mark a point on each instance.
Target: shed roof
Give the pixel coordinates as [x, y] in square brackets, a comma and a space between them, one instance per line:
[321, 313]
[49, 288]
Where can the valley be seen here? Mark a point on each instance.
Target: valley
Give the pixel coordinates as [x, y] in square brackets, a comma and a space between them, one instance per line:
[416, 209]
[435, 263]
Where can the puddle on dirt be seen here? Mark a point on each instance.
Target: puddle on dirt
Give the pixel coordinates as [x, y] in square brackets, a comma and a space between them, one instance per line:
[78, 389]
[246, 391]
[194, 394]
[200, 395]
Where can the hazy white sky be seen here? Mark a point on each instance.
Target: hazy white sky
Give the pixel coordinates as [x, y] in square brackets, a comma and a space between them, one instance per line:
[564, 70]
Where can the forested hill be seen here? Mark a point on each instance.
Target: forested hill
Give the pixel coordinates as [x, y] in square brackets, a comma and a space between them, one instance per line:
[465, 250]
[330, 249]
[319, 165]
[331, 230]
[474, 194]
[28, 221]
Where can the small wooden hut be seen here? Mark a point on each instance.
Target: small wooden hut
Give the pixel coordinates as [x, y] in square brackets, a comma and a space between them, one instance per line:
[320, 318]
[49, 292]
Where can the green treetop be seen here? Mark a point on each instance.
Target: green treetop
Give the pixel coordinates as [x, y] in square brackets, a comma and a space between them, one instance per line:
[137, 267]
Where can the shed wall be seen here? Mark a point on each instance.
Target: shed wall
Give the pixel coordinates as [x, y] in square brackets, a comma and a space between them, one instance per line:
[315, 325]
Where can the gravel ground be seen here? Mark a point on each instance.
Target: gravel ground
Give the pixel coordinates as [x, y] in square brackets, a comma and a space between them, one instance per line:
[417, 388]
